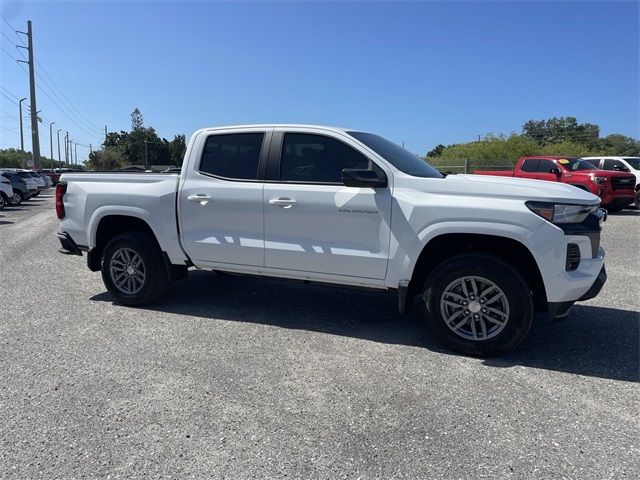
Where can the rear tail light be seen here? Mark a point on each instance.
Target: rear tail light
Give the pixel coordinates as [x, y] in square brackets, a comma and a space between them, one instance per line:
[61, 189]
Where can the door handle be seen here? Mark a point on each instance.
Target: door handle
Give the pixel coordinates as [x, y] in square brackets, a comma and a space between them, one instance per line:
[201, 198]
[282, 202]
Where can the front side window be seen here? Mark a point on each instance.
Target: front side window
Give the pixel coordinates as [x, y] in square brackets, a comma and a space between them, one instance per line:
[234, 156]
[397, 156]
[545, 166]
[308, 158]
[610, 164]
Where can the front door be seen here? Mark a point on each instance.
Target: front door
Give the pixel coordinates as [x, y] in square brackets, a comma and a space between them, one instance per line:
[313, 223]
[220, 203]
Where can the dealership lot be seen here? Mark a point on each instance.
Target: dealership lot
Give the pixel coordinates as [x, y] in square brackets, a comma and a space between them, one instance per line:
[236, 377]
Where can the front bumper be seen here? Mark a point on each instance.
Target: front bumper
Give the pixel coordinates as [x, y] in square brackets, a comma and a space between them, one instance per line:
[559, 310]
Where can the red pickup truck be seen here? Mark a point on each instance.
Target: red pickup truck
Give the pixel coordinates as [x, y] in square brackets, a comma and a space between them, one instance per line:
[615, 189]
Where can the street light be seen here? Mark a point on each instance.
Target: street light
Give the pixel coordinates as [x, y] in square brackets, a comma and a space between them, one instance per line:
[59, 160]
[21, 134]
[53, 162]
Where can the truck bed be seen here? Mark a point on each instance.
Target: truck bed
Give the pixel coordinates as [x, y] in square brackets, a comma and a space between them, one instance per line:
[148, 196]
[497, 173]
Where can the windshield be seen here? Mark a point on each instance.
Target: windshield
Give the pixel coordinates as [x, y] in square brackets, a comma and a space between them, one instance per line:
[400, 158]
[633, 161]
[574, 164]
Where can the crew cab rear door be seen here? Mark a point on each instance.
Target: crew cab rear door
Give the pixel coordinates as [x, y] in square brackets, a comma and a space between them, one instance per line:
[313, 222]
[220, 200]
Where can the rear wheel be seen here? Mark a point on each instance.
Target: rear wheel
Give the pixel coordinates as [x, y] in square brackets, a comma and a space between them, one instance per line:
[2, 201]
[132, 269]
[637, 200]
[478, 305]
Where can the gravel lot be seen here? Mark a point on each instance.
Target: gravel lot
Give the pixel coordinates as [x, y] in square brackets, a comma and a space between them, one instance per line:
[232, 377]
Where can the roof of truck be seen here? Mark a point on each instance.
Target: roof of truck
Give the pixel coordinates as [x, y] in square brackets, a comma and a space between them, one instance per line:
[278, 125]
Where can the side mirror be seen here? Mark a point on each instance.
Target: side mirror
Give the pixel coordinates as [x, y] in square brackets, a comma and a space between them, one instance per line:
[556, 171]
[352, 177]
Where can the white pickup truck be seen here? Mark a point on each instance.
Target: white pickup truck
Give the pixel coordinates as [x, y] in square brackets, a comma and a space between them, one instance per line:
[480, 254]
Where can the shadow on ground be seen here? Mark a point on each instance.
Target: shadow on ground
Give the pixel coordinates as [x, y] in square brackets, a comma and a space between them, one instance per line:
[593, 341]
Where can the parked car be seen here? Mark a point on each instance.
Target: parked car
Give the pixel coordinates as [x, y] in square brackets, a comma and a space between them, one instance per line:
[42, 185]
[31, 183]
[6, 191]
[329, 205]
[20, 190]
[51, 173]
[620, 164]
[615, 189]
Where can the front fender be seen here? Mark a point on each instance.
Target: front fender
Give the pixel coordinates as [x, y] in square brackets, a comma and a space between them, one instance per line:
[406, 251]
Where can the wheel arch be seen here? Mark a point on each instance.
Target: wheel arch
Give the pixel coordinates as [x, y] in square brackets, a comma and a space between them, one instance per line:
[110, 225]
[447, 245]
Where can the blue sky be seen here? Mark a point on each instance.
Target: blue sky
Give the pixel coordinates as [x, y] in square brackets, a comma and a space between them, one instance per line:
[420, 72]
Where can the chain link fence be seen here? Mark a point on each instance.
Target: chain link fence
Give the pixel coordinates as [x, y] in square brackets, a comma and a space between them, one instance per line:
[468, 165]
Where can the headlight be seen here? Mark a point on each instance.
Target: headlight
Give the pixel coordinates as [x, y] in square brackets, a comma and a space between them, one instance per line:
[599, 180]
[560, 212]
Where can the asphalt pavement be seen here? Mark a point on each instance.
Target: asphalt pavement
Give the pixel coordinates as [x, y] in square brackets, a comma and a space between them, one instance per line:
[235, 377]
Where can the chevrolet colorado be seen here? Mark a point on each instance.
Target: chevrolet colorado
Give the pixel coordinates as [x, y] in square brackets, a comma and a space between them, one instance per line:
[322, 204]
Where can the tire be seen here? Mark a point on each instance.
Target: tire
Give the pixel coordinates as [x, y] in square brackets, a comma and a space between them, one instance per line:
[35, 194]
[509, 296]
[2, 201]
[637, 200]
[614, 209]
[16, 199]
[142, 284]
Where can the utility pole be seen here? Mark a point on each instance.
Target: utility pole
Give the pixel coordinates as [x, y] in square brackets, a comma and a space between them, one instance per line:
[66, 149]
[35, 139]
[71, 151]
[146, 161]
[58, 134]
[105, 134]
[76, 155]
[51, 143]
[21, 134]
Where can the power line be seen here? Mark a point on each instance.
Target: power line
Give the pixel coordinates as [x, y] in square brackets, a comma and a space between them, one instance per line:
[8, 54]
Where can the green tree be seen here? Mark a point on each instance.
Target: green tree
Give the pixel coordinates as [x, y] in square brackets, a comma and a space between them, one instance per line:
[109, 158]
[436, 152]
[616, 144]
[562, 129]
[177, 149]
[137, 122]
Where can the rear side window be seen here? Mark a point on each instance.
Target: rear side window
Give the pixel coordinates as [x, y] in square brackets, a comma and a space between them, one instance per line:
[234, 156]
[530, 165]
[545, 165]
[593, 161]
[318, 159]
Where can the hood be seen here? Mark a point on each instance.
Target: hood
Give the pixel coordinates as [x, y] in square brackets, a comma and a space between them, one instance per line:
[485, 186]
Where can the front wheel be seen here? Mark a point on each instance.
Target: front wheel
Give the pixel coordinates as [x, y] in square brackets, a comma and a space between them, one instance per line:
[2, 201]
[477, 304]
[132, 269]
[637, 200]
[16, 199]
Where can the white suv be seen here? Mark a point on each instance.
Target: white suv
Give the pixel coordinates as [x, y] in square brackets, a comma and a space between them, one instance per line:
[6, 191]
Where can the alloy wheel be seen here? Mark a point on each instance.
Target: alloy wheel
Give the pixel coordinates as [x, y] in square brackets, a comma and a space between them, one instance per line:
[474, 308]
[127, 271]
